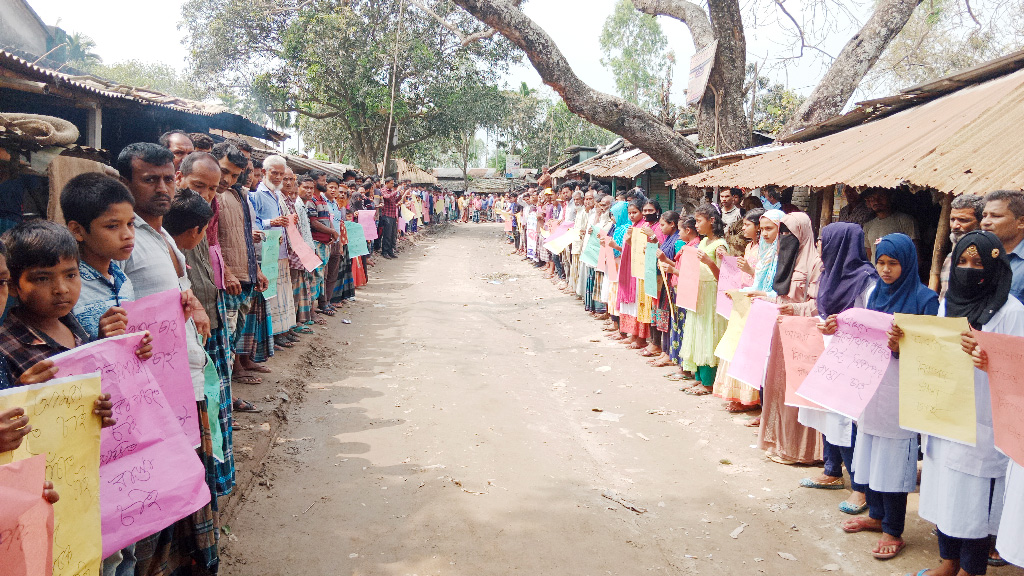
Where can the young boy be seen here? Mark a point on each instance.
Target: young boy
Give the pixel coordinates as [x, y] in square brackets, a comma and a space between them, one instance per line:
[187, 220]
[14, 424]
[100, 213]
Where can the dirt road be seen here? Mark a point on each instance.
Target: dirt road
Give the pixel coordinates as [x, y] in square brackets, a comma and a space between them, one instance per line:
[472, 420]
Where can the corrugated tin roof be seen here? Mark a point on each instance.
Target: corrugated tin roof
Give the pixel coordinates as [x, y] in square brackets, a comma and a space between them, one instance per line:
[626, 163]
[114, 91]
[966, 141]
[301, 165]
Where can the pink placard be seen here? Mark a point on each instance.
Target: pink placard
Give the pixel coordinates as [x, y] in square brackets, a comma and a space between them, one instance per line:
[508, 222]
[401, 224]
[161, 314]
[688, 266]
[366, 220]
[730, 277]
[26, 520]
[802, 344]
[1006, 383]
[310, 261]
[751, 358]
[606, 258]
[848, 373]
[217, 265]
[150, 476]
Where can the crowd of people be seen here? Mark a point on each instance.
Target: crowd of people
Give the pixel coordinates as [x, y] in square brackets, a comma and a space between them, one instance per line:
[189, 215]
[868, 259]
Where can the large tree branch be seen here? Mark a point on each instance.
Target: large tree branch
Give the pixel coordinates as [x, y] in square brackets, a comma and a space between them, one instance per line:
[412, 142]
[464, 39]
[693, 15]
[671, 150]
[853, 63]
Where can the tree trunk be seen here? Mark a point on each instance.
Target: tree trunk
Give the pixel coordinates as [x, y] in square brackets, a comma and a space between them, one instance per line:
[721, 119]
[858, 56]
[671, 150]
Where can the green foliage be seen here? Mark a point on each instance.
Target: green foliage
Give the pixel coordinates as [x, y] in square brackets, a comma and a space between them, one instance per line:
[538, 127]
[775, 103]
[76, 50]
[156, 76]
[944, 36]
[332, 63]
[636, 52]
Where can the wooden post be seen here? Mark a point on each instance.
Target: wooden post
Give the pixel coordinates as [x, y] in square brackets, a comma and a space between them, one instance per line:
[941, 234]
[94, 126]
[828, 202]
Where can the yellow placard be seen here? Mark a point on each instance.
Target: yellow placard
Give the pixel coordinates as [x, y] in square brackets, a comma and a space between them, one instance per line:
[558, 245]
[637, 242]
[936, 378]
[65, 429]
[726, 348]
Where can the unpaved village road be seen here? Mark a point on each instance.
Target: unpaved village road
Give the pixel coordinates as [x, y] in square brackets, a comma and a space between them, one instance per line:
[451, 429]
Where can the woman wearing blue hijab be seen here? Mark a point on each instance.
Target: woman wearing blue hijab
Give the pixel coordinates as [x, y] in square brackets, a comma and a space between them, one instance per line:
[885, 456]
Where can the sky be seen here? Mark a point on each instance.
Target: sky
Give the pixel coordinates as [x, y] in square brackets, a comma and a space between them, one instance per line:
[122, 31]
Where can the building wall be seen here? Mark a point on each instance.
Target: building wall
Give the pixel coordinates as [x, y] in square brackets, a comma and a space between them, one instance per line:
[20, 28]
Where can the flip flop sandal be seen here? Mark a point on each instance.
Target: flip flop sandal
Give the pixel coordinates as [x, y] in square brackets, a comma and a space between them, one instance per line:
[694, 391]
[848, 508]
[321, 322]
[246, 379]
[835, 485]
[779, 460]
[648, 354]
[303, 330]
[677, 377]
[889, 555]
[240, 405]
[740, 409]
[996, 562]
[860, 525]
[284, 344]
[325, 311]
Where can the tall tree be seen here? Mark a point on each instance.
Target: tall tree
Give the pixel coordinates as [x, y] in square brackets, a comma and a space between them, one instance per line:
[636, 52]
[378, 74]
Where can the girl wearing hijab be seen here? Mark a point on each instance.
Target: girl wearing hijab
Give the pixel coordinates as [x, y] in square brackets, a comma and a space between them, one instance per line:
[742, 398]
[886, 456]
[846, 282]
[704, 327]
[632, 332]
[620, 214]
[794, 287]
[687, 236]
[962, 487]
[665, 310]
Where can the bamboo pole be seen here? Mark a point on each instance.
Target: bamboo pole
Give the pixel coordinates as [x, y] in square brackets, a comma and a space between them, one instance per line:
[938, 251]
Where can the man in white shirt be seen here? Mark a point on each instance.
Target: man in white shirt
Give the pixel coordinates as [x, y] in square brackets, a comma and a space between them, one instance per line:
[729, 200]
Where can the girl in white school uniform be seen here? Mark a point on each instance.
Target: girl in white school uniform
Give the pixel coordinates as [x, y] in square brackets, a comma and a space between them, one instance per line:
[885, 458]
[962, 487]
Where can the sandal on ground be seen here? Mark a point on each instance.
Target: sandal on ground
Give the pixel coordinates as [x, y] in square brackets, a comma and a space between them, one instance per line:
[283, 343]
[246, 379]
[303, 330]
[896, 545]
[325, 311]
[677, 377]
[852, 510]
[695, 391]
[633, 346]
[235, 426]
[779, 459]
[646, 353]
[663, 363]
[737, 408]
[860, 525]
[996, 562]
[921, 573]
[240, 405]
[320, 321]
[754, 422]
[836, 484]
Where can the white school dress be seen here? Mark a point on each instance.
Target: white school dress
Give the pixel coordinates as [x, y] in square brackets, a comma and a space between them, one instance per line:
[885, 457]
[962, 486]
[838, 429]
[1010, 543]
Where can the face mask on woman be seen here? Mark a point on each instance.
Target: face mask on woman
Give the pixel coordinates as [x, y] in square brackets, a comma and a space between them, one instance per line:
[652, 218]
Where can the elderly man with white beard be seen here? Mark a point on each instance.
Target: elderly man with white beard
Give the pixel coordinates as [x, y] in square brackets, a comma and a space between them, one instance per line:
[268, 217]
